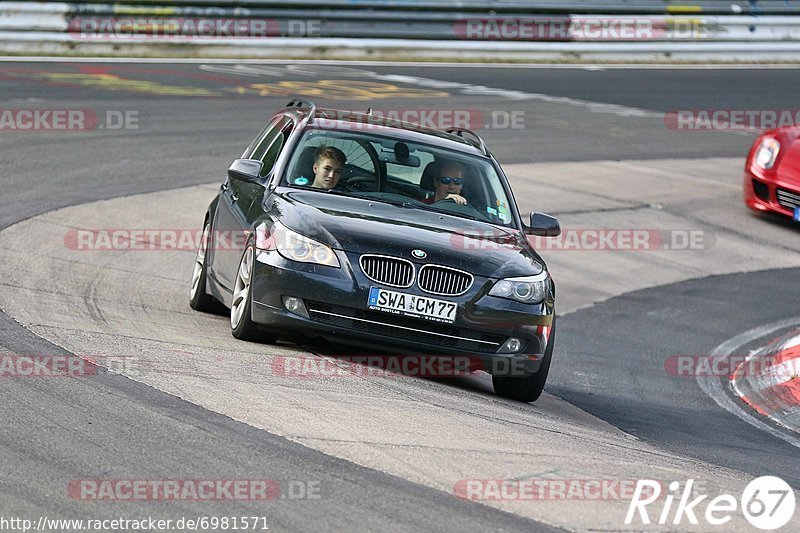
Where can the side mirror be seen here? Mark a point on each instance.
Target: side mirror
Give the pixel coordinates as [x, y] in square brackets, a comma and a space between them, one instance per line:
[543, 225]
[245, 170]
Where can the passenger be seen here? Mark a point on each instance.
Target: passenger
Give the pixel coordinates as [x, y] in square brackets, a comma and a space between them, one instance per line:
[448, 184]
[328, 164]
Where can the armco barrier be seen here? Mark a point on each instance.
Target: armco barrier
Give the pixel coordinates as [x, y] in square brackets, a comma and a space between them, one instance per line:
[636, 7]
[408, 29]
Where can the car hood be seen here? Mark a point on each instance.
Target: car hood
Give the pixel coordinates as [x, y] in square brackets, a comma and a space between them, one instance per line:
[367, 226]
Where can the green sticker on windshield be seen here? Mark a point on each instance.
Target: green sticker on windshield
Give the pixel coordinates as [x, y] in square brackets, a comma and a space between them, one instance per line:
[301, 181]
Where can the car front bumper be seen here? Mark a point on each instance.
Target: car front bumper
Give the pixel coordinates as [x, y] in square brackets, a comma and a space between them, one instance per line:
[770, 194]
[336, 304]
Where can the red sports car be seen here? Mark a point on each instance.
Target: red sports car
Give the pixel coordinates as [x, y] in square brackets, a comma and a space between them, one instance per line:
[772, 173]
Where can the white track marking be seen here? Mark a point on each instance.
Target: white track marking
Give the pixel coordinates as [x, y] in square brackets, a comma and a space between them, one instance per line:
[481, 90]
[713, 387]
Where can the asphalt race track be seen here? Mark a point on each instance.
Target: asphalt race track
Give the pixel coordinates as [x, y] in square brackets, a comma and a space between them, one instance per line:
[592, 146]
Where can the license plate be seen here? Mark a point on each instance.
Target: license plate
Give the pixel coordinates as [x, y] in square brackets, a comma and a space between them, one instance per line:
[401, 303]
[797, 214]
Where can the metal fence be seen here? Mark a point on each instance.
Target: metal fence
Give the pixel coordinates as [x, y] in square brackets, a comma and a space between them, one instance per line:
[500, 29]
[654, 7]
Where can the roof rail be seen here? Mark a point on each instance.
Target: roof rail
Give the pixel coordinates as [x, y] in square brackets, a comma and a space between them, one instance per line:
[461, 131]
[299, 102]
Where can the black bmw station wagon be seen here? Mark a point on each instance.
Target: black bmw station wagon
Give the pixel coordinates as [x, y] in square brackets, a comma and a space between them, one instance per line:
[382, 234]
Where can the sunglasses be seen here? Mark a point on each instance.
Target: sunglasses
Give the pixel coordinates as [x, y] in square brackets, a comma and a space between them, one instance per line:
[445, 180]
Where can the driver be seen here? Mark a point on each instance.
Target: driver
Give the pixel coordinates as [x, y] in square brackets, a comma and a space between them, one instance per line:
[448, 184]
[328, 164]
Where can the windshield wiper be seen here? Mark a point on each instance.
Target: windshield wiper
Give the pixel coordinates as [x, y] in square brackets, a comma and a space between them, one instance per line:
[410, 203]
[415, 204]
[424, 207]
[446, 211]
[325, 191]
[390, 201]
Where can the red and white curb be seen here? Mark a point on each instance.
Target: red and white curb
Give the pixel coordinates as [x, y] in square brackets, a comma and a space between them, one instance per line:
[774, 390]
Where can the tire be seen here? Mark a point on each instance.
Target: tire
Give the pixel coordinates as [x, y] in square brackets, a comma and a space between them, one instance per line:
[199, 299]
[528, 388]
[242, 325]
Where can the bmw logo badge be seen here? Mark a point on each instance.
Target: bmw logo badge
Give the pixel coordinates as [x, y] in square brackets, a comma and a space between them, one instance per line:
[419, 254]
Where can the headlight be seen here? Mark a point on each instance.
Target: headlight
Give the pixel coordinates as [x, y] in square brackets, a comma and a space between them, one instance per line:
[528, 290]
[767, 153]
[294, 246]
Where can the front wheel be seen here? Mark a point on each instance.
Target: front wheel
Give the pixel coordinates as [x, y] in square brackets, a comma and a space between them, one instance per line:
[527, 388]
[242, 325]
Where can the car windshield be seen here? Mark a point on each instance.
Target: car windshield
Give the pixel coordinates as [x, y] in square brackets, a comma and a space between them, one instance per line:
[399, 172]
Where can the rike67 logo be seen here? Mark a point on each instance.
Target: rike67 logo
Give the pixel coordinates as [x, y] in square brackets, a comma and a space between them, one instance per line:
[767, 502]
